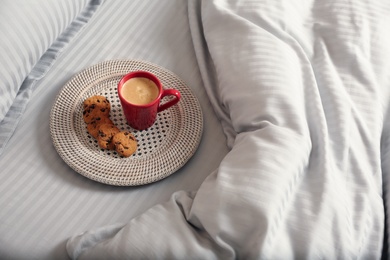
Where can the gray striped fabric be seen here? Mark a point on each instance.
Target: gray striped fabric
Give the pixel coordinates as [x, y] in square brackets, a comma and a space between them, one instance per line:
[305, 107]
[27, 29]
[304, 92]
[43, 202]
[32, 43]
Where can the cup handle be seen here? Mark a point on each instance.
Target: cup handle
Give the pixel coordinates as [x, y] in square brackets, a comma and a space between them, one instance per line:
[169, 92]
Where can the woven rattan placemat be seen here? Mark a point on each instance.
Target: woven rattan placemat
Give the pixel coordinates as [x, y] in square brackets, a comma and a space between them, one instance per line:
[162, 149]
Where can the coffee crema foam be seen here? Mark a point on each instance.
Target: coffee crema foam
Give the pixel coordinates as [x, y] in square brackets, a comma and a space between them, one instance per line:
[139, 91]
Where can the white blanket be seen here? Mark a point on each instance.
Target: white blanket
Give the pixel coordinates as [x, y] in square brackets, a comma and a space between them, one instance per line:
[302, 91]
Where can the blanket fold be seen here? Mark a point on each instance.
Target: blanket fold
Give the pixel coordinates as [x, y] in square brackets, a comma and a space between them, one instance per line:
[303, 104]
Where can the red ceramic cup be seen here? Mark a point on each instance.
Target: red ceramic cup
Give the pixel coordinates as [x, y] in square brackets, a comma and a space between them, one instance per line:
[142, 116]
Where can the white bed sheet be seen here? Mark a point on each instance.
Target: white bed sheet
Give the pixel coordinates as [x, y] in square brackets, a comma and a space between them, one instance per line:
[43, 202]
[303, 91]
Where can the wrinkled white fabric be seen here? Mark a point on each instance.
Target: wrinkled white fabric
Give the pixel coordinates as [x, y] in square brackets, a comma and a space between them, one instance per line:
[302, 91]
[34, 33]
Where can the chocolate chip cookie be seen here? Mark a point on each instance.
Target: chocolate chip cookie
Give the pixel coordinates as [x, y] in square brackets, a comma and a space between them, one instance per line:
[125, 143]
[96, 115]
[93, 127]
[105, 134]
[97, 101]
[95, 108]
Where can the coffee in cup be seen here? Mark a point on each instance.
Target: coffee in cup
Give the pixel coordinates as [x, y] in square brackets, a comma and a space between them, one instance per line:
[140, 93]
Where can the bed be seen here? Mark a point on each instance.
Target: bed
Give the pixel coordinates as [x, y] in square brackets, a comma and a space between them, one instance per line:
[289, 130]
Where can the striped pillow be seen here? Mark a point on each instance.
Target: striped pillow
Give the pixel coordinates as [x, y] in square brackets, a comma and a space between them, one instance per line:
[27, 30]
